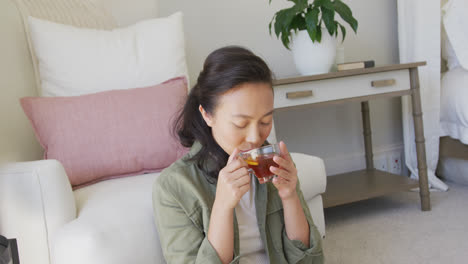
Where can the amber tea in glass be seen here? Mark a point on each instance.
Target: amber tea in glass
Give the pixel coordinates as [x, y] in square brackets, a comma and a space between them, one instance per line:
[259, 161]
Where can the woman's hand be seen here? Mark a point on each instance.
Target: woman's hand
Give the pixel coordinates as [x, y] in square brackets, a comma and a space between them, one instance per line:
[287, 174]
[297, 227]
[233, 181]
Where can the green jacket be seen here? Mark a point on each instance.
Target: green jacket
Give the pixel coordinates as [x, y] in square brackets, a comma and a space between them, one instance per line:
[182, 201]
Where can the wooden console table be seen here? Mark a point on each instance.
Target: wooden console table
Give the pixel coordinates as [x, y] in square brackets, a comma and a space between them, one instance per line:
[362, 85]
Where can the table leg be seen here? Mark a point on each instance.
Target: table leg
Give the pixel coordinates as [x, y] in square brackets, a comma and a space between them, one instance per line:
[419, 138]
[367, 135]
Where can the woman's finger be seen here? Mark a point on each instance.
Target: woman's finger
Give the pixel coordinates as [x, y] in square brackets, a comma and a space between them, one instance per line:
[279, 181]
[233, 155]
[235, 165]
[285, 164]
[281, 172]
[284, 151]
[241, 181]
[244, 188]
[240, 172]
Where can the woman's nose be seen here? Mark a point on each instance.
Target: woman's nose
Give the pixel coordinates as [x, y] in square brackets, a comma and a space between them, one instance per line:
[253, 136]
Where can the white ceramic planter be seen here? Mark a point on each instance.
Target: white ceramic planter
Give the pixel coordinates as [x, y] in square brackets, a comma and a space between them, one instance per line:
[313, 57]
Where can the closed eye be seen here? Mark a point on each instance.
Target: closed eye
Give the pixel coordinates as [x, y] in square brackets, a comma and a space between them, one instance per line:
[240, 127]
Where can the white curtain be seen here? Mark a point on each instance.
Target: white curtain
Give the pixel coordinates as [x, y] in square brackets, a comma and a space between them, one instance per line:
[419, 40]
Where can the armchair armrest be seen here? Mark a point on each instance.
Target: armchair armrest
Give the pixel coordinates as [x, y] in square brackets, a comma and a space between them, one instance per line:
[36, 199]
[311, 173]
[313, 179]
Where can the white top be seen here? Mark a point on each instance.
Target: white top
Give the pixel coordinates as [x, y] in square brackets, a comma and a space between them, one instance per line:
[251, 245]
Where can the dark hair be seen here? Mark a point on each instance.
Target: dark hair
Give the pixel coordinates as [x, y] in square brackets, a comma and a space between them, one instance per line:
[224, 69]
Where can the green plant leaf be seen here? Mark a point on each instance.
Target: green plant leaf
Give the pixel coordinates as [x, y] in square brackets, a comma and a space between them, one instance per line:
[301, 4]
[336, 29]
[311, 21]
[319, 33]
[343, 31]
[312, 34]
[324, 3]
[311, 17]
[342, 8]
[286, 20]
[298, 23]
[271, 22]
[328, 17]
[285, 38]
[283, 20]
[278, 22]
[345, 12]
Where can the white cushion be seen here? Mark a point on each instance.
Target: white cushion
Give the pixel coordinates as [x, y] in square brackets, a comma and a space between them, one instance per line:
[448, 53]
[115, 224]
[453, 104]
[455, 22]
[311, 173]
[76, 61]
[316, 210]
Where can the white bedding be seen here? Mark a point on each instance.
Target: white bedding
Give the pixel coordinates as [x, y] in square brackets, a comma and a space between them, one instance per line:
[456, 26]
[454, 104]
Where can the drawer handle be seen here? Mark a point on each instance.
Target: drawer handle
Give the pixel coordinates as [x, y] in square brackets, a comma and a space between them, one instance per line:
[383, 83]
[301, 94]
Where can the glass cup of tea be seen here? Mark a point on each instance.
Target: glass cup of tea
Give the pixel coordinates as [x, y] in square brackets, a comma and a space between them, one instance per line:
[259, 161]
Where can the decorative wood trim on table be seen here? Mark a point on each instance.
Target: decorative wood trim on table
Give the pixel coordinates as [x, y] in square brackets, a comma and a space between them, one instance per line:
[355, 72]
[453, 148]
[367, 135]
[300, 94]
[419, 138]
[346, 100]
[383, 83]
[363, 184]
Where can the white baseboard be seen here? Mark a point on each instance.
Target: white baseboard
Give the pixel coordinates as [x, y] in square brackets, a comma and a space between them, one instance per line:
[357, 160]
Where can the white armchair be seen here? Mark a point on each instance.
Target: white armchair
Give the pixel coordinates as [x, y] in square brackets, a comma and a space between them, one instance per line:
[107, 222]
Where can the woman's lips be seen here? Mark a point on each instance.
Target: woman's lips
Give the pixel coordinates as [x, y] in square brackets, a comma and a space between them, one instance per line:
[247, 147]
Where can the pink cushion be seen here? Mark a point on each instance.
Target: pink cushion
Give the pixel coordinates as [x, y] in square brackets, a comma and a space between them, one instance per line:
[109, 134]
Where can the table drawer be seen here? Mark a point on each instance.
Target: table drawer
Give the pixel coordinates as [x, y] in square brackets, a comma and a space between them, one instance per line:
[309, 92]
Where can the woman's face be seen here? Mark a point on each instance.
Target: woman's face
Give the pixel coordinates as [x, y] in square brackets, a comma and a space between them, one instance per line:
[243, 117]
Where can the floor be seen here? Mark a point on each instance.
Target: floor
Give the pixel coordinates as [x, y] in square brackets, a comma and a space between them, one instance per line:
[393, 229]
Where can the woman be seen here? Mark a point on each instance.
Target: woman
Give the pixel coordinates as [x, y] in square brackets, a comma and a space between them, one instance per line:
[208, 208]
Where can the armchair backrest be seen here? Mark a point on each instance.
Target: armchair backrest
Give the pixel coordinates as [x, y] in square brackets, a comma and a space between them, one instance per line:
[17, 71]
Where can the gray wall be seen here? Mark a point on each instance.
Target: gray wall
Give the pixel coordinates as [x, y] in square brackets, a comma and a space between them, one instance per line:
[333, 133]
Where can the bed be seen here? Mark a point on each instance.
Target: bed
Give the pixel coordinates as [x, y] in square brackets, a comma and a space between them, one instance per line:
[453, 161]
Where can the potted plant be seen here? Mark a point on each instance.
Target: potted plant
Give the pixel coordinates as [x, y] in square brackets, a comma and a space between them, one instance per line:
[311, 29]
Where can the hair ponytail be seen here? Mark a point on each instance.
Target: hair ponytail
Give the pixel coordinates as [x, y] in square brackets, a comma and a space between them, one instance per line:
[189, 122]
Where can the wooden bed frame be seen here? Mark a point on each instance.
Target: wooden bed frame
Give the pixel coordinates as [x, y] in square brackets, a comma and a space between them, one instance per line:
[453, 161]
[452, 148]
